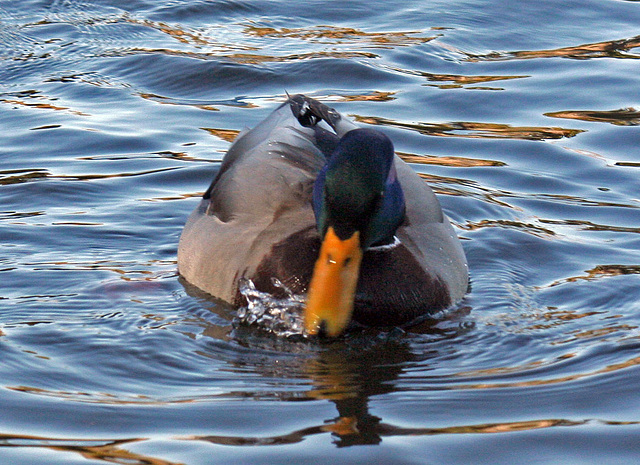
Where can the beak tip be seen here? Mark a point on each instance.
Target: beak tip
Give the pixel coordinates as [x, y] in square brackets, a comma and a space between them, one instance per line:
[321, 329]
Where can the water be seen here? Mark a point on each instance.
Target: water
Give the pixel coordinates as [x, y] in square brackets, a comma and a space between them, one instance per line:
[523, 116]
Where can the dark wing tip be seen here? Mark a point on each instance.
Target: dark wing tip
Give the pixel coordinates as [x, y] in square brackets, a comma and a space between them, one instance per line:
[309, 112]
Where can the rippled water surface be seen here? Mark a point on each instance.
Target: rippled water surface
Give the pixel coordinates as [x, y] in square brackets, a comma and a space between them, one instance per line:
[524, 118]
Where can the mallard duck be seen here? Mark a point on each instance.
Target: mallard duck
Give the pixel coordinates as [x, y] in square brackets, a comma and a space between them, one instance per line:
[327, 208]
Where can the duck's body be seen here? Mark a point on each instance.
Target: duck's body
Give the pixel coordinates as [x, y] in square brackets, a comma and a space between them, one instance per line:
[257, 221]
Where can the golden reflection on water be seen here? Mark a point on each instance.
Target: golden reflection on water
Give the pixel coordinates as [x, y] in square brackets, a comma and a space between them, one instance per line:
[336, 34]
[550, 381]
[183, 102]
[475, 130]
[606, 49]
[461, 80]
[227, 135]
[599, 333]
[179, 34]
[104, 450]
[19, 176]
[622, 117]
[41, 105]
[207, 47]
[458, 81]
[346, 430]
[170, 198]
[458, 162]
[102, 398]
[191, 37]
[589, 225]
[374, 96]
[599, 272]
[254, 58]
[530, 228]
[447, 185]
[554, 317]
[248, 58]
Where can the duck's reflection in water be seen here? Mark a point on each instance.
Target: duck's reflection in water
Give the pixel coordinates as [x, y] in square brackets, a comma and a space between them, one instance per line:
[349, 378]
[348, 373]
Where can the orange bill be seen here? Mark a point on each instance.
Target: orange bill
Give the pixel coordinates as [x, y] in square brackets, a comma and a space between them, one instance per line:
[333, 285]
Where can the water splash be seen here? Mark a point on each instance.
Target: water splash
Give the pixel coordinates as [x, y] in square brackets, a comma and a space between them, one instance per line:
[281, 316]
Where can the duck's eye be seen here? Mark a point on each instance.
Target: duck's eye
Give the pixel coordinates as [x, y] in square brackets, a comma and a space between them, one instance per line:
[330, 259]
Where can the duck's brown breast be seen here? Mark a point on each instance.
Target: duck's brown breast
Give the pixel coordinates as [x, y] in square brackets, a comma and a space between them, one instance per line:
[393, 288]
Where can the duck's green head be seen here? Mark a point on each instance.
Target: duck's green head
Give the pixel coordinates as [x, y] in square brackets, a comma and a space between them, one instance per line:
[358, 202]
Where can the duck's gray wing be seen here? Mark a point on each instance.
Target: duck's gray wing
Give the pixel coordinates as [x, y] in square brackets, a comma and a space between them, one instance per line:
[261, 195]
[429, 234]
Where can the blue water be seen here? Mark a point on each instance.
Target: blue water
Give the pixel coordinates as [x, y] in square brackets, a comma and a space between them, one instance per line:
[524, 117]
